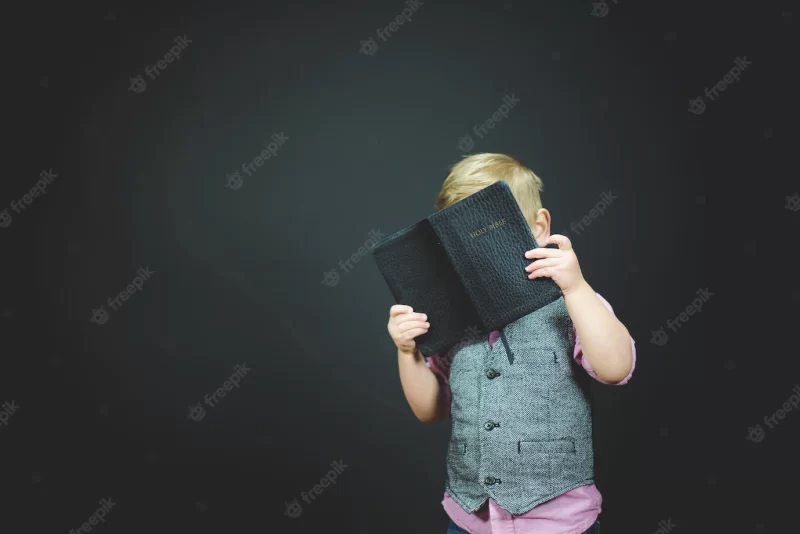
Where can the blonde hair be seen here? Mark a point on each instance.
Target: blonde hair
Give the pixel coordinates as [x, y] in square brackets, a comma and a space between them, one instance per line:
[479, 171]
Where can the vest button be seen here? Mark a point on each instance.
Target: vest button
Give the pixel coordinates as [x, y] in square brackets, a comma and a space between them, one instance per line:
[489, 425]
[491, 373]
[491, 481]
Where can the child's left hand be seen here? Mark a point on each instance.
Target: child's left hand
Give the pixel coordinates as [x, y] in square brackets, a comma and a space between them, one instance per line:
[560, 265]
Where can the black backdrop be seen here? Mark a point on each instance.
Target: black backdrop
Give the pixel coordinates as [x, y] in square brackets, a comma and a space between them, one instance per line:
[252, 273]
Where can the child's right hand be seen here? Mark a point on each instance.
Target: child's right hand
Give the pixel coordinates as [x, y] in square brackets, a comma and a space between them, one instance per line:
[404, 325]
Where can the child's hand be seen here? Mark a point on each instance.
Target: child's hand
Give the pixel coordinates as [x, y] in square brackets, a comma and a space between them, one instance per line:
[560, 265]
[404, 325]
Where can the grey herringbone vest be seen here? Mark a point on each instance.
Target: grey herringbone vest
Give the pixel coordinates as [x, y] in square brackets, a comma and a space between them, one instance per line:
[522, 431]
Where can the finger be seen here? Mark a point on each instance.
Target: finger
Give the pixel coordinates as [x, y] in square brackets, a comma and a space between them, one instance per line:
[397, 309]
[411, 334]
[544, 253]
[542, 263]
[562, 241]
[541, 273]
[405, 327]
[411, 317]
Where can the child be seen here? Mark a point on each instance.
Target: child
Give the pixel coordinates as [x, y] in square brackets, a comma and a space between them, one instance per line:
[520, 457]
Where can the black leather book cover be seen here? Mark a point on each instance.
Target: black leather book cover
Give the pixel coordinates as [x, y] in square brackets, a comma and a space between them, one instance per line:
[465, 267]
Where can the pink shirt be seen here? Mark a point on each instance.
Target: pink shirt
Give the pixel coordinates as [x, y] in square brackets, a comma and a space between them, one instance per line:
[570, 513]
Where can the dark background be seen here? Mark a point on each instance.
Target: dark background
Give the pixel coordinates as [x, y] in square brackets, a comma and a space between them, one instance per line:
[701, 203]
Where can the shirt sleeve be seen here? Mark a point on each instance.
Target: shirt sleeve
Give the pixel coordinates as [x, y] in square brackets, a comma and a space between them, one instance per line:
[440, 366]
[585, 362]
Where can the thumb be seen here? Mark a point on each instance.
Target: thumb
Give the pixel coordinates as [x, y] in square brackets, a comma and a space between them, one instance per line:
[562, 241]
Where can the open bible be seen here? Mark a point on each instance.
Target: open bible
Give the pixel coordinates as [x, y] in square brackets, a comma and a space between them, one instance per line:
[464, 267]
